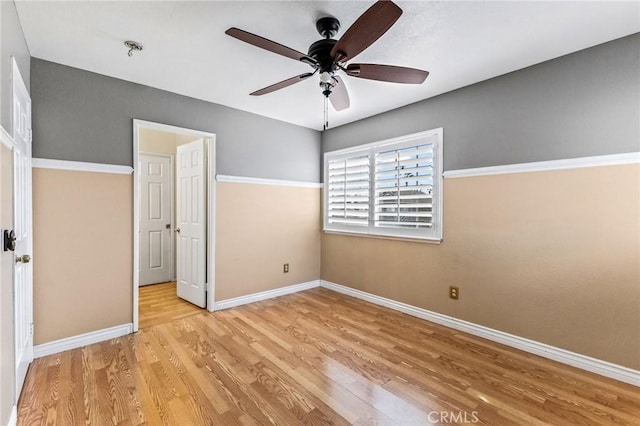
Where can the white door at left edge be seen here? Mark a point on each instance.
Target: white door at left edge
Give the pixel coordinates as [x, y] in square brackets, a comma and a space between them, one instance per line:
[22, 223]
[156, 254]
[191, 188]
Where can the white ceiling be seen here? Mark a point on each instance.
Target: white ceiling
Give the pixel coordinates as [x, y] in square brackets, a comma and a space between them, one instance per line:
[187, 52]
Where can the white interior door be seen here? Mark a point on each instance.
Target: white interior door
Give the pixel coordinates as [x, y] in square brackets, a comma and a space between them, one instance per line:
[23, 274]
[156, 254]
[192, 222]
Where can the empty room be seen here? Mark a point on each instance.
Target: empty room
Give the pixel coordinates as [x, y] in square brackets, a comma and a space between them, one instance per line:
[319, 212]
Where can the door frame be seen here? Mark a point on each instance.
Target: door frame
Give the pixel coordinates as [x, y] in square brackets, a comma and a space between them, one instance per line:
[172, 213]
[211, 207]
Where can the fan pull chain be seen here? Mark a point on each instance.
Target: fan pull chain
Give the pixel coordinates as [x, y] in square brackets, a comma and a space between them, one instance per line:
[326, 113]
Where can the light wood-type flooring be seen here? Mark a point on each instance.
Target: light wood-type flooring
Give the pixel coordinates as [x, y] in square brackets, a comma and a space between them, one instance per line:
[158, 304]
[315, 357]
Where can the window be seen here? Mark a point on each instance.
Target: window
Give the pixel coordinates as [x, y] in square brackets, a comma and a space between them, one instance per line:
[388, 188]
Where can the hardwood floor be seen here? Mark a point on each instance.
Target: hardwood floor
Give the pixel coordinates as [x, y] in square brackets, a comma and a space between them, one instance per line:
[315, 357]
[158, 304]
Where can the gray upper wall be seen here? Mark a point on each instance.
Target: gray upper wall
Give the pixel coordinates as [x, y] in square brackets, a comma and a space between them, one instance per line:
[83, 116]
[12, 43]
[583, 104]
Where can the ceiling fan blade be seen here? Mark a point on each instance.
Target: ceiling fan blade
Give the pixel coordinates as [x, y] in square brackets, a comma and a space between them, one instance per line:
[369, 27]
[339, 96]
[389, 73]
[281, 85]
[266, 44]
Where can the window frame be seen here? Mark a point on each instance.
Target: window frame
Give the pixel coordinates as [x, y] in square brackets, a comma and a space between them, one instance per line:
[432, 234]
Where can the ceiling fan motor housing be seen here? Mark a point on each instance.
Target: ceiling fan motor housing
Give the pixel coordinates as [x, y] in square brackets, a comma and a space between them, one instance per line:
[321, 52]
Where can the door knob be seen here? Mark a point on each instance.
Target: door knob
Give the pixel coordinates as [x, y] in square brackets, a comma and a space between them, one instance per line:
[178, 230]
[25, 258]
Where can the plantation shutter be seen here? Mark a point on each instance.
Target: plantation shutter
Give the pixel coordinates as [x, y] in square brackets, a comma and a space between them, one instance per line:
[390, 188]
[403, 183]
[348, 191]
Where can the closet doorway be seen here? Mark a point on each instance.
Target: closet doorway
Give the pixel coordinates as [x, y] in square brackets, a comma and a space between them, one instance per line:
[174, 206]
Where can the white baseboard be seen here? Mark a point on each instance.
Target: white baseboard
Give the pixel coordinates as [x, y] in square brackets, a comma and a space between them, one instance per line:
[264, 295]
[584, 362]
[13, 418]
[81, 340]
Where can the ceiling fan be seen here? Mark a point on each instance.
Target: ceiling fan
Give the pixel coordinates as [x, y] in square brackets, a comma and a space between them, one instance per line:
[328, 56]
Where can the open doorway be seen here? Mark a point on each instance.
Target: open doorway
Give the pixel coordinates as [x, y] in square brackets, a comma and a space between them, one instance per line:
[174, 206]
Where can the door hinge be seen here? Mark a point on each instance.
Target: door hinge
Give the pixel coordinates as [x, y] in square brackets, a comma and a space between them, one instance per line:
[31, 328]
[30, 135]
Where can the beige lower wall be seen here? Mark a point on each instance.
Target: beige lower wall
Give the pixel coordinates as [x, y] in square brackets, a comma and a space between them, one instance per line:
[550, 256]
[258, 229]
[83, 255]
[7, 345]
[83, 246]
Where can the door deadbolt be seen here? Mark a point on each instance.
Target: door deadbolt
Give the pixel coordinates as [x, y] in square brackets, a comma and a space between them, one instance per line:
[25, 258]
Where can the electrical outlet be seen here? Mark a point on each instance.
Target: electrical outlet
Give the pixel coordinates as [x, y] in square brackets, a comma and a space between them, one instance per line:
[285, 268]
[454, 292]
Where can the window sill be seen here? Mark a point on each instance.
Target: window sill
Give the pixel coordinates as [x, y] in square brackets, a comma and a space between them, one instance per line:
[385, 237]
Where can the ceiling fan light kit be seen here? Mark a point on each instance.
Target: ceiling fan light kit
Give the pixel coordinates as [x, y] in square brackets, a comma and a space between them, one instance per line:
[328, 56]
